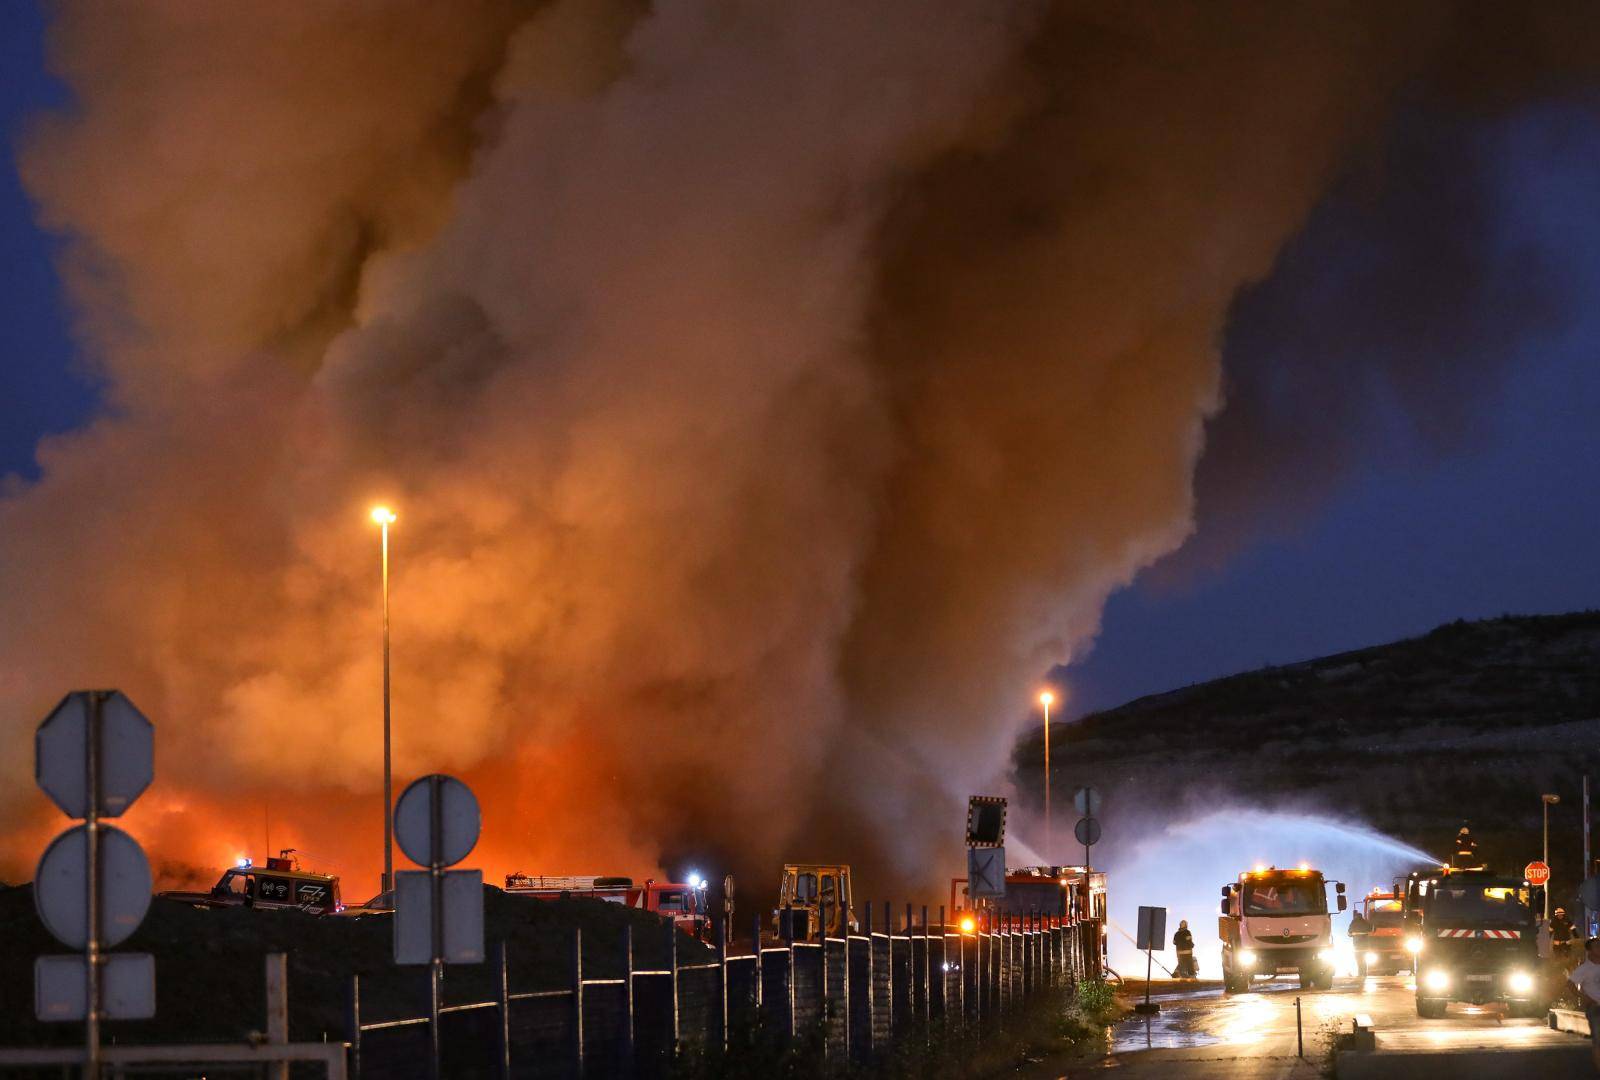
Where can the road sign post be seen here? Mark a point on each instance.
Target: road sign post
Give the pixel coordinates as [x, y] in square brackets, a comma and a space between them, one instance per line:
[94, 755]
[1152, 936]
[1087, 802]
[438, 912]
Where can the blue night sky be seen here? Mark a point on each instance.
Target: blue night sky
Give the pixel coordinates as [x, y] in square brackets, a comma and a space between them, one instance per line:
[1500, 513]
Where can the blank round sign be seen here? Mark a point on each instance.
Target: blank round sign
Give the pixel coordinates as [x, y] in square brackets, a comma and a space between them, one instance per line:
[61, 886]
[459, 820]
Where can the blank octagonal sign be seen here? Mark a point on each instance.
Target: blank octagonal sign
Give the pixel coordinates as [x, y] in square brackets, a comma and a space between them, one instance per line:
[459, 820]
[61, 886]
[127, 754]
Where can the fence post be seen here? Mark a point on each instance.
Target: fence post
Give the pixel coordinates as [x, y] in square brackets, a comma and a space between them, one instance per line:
[722, 975]
[672, 968]
[872, 989]
[627, 996]
[755, 940]
[577, 1000]
[502, 980]
[277, 965]
[352, 1025]
[927, 970]
[844, 991]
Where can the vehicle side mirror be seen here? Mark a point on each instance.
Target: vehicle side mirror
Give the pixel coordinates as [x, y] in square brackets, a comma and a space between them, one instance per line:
[1343, 903]
[1225, 906]
[1225, 890]
[1338, 887]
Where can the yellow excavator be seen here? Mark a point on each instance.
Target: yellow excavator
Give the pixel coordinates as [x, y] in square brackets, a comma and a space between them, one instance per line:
[814, 902]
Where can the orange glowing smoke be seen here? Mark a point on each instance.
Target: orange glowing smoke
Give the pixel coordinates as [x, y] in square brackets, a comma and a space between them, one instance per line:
[768, 392]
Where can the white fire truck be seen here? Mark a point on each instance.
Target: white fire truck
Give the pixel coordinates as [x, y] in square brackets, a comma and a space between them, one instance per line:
[682, 902]
[1277, 922]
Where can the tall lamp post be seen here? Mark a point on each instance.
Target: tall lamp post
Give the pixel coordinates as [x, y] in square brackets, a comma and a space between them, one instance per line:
[385, 517]
[1046, 698]
[1549, 801]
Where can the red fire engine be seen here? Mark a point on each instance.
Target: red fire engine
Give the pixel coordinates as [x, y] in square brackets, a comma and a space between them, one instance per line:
[683, 903]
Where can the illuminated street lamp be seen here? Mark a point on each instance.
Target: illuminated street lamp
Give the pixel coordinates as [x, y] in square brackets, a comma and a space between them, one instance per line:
[1549, 801]
[384, 517]
[1046, 698]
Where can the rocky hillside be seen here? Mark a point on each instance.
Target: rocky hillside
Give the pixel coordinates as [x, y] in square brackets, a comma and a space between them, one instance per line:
[1471, 722]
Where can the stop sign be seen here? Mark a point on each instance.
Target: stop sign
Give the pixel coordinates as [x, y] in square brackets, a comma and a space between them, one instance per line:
[1537, 873]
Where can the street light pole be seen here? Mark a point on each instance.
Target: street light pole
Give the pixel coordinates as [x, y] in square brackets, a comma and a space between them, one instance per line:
[1548, 801]
[1045, 699]
[385, 517]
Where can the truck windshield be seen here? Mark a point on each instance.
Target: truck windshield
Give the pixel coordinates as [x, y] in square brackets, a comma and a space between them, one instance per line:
[1284, 898]
[1479, 903]
[671, 903]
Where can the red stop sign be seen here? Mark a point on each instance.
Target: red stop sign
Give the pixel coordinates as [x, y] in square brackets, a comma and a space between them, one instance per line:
[1537, 873]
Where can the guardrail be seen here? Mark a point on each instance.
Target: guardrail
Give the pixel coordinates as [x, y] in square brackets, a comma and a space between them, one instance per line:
[860, 993]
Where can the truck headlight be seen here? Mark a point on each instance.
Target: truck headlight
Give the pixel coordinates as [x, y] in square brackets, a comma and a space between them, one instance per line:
[1520, 982]
[1413, 945]
[1246, 958]
[1437, 979]
[968, 924]
[1327, 956]
[1371, 958]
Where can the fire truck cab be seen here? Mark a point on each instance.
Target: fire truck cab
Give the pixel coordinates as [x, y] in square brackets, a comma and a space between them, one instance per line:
[1276, 922]
[1475, 933]
[682, 902]
[280, 884]
[1381, 947]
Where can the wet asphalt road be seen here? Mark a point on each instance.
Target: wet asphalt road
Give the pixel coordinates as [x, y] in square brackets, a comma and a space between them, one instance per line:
[1202, 1033]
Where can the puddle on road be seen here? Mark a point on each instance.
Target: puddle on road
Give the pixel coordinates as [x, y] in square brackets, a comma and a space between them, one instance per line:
[1203, 1019]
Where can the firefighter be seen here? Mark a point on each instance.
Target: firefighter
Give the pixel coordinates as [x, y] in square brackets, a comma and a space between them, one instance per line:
[1561, 935]
[1183, 942]
[1466, 850]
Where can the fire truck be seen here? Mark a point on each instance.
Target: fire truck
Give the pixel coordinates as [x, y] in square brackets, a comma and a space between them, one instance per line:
[1382, 946]
[1074, 893]
[1475, 934]
[281, 884]
[684, 903]
[1058, 891]
[1275, 922]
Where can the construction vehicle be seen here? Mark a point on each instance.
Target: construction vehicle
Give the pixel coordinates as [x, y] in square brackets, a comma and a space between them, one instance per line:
[281, 884]
[1475, 935]
[682, 902]
[1381, 947]
[814, 902]
[1277, 922]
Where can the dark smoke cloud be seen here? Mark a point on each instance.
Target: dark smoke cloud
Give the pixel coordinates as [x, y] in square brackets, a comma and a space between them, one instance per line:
[769, 393]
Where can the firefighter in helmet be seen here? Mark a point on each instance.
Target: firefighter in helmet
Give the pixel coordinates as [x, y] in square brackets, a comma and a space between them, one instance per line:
[1561, 934]
[1466, 850]
[1183, 943]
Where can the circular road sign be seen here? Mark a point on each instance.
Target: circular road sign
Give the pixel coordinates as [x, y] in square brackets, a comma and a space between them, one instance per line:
[127, 753]
[1536, 872]
[61, 886]
[1087, 831]
[1087, 801]
[459, 820]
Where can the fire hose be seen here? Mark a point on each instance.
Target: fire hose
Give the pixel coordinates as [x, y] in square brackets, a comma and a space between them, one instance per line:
[1135, 942]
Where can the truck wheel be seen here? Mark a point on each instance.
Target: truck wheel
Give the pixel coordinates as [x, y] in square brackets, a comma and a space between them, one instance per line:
[1325, 980]
[1431, 1009]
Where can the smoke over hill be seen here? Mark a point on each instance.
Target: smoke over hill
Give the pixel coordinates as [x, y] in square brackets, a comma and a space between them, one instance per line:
[768, 392]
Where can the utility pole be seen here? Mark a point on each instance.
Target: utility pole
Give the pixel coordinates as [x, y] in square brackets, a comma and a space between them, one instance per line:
[1046, 698]
[1549, 800]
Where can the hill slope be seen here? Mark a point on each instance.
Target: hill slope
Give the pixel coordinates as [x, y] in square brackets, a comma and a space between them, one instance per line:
[1471, 722]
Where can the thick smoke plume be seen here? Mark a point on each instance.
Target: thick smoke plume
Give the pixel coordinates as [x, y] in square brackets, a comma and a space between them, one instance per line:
[768, 393]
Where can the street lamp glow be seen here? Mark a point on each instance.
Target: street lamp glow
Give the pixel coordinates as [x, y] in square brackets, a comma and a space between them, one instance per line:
[1046, 698]
[382, 515]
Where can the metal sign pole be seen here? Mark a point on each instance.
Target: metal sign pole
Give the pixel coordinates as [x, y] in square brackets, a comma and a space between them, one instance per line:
[436, 885]
[91, 1015]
